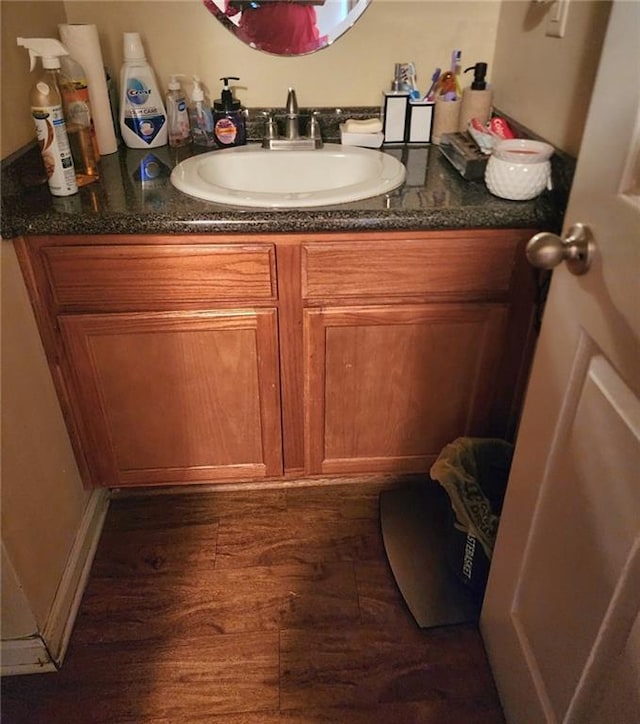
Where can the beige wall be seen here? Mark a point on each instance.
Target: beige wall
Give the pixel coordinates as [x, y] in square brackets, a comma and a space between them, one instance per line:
[21, 19]
[16, 618]
[543, 82]
[42, 495]
[183, 37]
[546, 82]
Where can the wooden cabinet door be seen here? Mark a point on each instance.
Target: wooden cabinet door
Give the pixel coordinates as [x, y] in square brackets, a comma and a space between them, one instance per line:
[181, 397]
[387, 387]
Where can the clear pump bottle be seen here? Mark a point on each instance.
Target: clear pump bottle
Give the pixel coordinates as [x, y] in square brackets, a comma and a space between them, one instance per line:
[179, 130]
[201, 116]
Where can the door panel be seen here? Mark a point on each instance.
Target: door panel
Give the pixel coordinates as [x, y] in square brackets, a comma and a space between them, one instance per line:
[179, 397]
[560, 613]
[595, 497]
[387, 388]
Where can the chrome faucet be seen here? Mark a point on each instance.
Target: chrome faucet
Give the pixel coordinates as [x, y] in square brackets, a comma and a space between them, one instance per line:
[292, 138]
[292, 130]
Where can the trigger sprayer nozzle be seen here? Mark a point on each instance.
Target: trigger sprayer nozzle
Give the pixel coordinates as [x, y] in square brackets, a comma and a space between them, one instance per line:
[49, 49]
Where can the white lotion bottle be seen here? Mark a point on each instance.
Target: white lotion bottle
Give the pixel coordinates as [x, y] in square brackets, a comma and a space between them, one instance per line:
[143, 118]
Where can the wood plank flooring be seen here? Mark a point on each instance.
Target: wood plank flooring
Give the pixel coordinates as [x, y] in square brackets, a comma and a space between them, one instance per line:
[254, 607]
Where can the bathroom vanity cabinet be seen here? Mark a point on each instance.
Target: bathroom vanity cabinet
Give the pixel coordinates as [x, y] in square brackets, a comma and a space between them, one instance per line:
[206, 358]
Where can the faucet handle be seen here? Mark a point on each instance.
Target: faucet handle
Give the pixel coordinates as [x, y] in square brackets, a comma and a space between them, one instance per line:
[314, 126]
[270, 128]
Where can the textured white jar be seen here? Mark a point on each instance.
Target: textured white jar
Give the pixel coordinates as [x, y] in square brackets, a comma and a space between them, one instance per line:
[519, 169]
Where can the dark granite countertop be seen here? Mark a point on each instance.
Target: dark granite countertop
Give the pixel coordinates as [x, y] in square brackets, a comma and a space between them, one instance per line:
[434, 197]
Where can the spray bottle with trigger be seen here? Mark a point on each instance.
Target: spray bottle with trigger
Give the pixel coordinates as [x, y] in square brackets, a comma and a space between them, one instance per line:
[46, 109]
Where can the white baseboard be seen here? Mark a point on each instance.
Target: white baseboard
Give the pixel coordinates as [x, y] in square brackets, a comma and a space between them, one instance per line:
[44, 651]
[25, 656]
[62, 615]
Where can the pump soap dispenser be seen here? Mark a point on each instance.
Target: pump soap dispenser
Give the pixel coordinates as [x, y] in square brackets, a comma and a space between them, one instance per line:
[228, 118]
[200, 116]
[179, 130]
[477, 99]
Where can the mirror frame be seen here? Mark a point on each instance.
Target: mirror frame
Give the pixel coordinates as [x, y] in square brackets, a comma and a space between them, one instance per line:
[216, 8]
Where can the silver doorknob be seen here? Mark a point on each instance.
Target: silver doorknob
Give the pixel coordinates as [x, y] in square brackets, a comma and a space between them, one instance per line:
[546, 250]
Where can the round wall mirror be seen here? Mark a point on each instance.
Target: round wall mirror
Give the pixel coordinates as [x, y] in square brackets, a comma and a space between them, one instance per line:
[287, 27]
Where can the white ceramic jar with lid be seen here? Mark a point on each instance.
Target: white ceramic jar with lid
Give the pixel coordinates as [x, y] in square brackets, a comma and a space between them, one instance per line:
[519, 169]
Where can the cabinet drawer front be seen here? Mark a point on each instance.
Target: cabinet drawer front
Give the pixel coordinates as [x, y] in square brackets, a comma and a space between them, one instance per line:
[142, 277]
[470, 266]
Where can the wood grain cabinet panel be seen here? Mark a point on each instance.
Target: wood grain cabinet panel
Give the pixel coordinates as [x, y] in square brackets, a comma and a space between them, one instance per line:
[471, 265]
[210, 358]
[158, 276]
[176, 397]
[388, 387]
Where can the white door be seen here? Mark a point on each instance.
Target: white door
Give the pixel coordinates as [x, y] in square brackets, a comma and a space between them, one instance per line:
[560, 618]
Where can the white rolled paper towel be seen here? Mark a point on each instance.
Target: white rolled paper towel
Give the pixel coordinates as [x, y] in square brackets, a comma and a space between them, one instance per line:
[84, 46]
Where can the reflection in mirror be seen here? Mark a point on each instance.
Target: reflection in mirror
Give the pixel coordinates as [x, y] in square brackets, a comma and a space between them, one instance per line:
[287, 27]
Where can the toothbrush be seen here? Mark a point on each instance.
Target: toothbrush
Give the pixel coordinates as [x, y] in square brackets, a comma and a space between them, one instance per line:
[408, 77]
[413, 81]
[456, 68]
[430, 94]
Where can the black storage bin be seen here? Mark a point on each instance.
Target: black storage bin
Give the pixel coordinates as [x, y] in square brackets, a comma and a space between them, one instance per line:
[474, 473]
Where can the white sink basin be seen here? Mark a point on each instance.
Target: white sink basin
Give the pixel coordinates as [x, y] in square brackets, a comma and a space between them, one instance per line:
[254, 176]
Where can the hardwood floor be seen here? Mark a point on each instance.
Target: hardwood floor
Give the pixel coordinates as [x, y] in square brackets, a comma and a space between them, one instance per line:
[254, 607]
